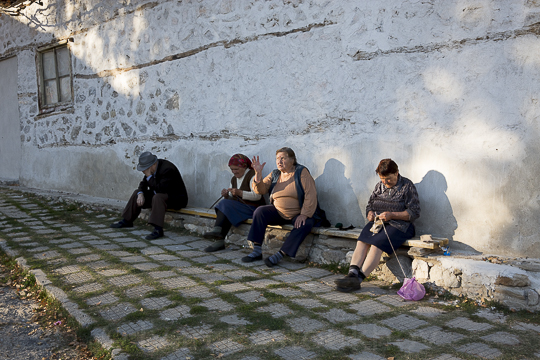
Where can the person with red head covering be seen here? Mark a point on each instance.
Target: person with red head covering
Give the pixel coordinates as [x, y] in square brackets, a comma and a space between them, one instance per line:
[238, 204]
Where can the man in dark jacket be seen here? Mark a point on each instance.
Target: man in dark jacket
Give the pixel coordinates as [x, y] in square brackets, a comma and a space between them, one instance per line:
[161, 188]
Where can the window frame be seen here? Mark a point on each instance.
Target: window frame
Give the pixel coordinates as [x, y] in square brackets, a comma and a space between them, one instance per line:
[43, 106]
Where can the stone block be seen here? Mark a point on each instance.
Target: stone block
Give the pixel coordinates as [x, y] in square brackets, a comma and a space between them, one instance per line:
[518, 280]
[444, 277]
[420, 270]
[532, 297]
[507, 292]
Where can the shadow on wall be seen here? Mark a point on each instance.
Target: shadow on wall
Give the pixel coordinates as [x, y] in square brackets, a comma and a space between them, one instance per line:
[336, 194]
[437, 217]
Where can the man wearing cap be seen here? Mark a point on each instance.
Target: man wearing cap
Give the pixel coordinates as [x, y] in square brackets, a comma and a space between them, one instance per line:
[161, 188]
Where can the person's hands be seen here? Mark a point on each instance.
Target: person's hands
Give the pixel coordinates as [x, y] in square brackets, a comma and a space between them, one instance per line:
[300, 220]
[256, 164]
[386, 216]
[371, 216]
[224, 192]
[236, 192]
[140, 199]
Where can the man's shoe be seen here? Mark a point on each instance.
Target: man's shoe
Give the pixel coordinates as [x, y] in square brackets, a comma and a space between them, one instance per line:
[348, 283]
[218, 245]
[122, 224]
[154, 235]
[248, 259]
[269, 263]
[213, 235]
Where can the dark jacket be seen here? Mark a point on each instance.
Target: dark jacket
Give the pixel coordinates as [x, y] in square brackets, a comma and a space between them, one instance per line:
[167, 180]
[245, 187]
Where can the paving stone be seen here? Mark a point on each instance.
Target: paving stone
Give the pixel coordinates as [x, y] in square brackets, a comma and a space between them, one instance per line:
[88, 288]
[304, 324]
[238, 274]
[295, 353]
[97, 242]
[276, 310]
[526, 326]
[107, 247]
[369, 308]
[201, 292]
[467, 324]
[112, 272]
[446, 357]
[38, 249]
[309, 303]
[135, 244]
[67, 270]
[79, 251]
[30, 244]
[180, 354]
[88, 237]
[429, 312]
[155, 303]
[163, 257]
[216, 304]
[250, 264]
[123, 240]
[480, 349]
[212, 277]
[226, 347]
[153, 344]
[57, 261]
[190, 254]
[194, 270]
[101, 264]
[181, 239]
[139, 291]
[371, 331]
[145, 266]
[264, 337]
[177, 263]
[230, 255]
[161, 242]
[404, 322]
[409, 346]
[234, 320]
[292, 278]
[314, 272]
[179, 312]
[117, 312]
[200, 244]
[286, 292]
[120, 253]
[125, 280]
[364, 355]
[394, 300]
[436, 335]
[113, 235]
[334, 340]
[502, 337]
[104, 230]
[233, 287]
[492, 316]
[289, 265]
[251, 296]
[104, 299]
[78, 277]
[45, 231]
[337, 315]
[195, 332]
[153, 250]
[177, 248]
[88, 258]
[336, 296]
[72, 245]
[162, 274]
[47, 255]
[134, 327]
[177, 282]
[260, 284]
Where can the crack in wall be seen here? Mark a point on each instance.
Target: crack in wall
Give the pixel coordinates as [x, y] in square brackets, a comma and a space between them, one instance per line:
[224, 43]
[533, 29]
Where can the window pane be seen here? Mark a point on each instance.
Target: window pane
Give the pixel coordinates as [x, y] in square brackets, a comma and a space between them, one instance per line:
[62, 56]
[51, 94]
[48, 65]
[65, 89]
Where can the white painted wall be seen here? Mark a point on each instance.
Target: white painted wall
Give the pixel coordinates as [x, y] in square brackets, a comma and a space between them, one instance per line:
[449, 90]
[10, 139]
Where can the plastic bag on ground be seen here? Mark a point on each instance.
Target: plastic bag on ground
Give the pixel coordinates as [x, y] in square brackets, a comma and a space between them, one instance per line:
[412, 290]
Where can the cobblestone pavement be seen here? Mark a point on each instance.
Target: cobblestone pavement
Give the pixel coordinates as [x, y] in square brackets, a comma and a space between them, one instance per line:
[167, 299]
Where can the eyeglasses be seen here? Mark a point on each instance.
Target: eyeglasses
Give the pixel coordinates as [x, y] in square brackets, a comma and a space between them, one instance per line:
[279, 159]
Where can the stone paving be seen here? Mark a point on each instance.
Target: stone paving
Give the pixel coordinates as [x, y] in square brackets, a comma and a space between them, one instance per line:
[167, 299]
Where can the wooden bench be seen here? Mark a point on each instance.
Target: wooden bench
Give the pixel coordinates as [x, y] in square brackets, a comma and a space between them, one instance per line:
[435, 243]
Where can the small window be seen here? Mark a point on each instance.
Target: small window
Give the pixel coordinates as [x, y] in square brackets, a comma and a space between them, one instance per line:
[55, 76]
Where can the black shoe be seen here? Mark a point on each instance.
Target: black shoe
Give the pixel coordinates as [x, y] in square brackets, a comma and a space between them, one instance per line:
[122, 224]
[248, 259]
[269, 263]
[156, 234]
[218, 245]
[348, 283]
[213, 235]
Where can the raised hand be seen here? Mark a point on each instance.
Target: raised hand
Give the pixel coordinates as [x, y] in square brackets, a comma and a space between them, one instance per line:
[256, 165]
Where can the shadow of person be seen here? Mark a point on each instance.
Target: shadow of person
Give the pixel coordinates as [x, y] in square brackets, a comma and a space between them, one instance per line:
[336, 194]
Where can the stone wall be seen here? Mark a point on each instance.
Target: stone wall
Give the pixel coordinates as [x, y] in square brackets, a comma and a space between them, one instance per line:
[449, 89]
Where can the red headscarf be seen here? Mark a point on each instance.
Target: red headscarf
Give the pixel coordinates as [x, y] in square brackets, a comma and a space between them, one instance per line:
[240, 160]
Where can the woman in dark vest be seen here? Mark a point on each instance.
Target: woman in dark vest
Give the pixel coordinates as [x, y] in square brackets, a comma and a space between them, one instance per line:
[294, 201]
[238, 204]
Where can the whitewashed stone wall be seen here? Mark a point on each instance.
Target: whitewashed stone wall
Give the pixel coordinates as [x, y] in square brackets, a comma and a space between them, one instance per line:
[448, 89]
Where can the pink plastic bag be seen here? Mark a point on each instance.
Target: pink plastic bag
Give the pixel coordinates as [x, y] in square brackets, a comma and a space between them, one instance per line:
[412, 290]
